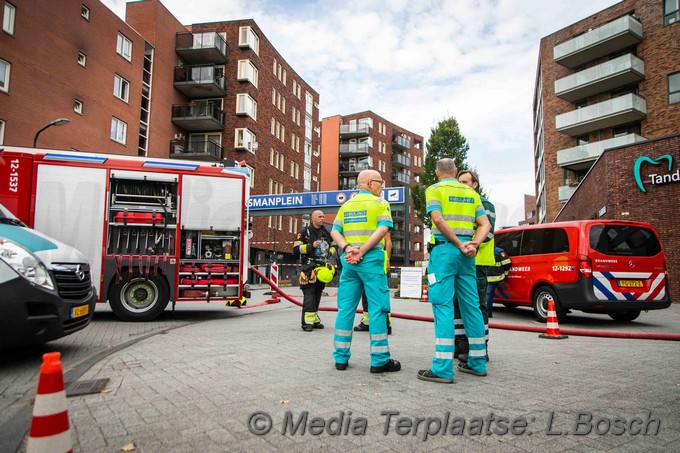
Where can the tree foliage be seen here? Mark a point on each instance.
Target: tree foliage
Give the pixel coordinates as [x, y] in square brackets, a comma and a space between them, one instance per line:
[445, 140]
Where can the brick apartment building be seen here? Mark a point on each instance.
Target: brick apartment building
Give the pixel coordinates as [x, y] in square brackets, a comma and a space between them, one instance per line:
[352, 143]
[529, 210]
[609, 80]
[151, 86]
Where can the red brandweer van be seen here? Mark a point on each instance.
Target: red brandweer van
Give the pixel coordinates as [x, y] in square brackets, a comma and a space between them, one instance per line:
[612, 267]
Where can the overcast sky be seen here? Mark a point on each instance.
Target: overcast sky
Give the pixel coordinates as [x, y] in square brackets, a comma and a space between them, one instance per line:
[415, 62]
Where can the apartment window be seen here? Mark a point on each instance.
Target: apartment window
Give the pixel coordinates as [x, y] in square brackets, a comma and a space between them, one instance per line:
[82, 59]
[247, 72]
[274, 67]
[4, 76]
[582, 140]
[124, 47]
[121, 88]
[671, 11]
[252, 175]
[8, 18]
[674, 88]
[118, 130]
[248, 38]
[284, 77]
[244, 139]
[85, 12]
[78, 106]
[2, 132]
[245, 105]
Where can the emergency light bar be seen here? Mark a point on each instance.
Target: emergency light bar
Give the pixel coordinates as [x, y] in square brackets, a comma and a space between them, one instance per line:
[75, 158]
[170, 165]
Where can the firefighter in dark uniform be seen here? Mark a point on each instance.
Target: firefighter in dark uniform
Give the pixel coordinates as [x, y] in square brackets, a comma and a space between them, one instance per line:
[314, 246]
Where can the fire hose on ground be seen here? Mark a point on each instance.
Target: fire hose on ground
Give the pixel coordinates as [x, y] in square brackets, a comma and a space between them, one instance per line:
[497, 325]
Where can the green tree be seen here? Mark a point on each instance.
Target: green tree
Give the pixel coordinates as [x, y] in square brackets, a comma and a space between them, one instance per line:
[445, 140]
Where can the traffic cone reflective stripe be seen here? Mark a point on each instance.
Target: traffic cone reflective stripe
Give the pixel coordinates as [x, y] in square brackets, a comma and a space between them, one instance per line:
[552, 330]
[50, 425]
[424, 297]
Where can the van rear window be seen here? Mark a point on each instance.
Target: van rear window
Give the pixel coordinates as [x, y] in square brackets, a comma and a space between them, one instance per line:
[624, 240]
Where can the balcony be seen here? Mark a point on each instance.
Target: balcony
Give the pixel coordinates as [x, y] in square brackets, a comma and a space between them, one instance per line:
[354, 167]
[564, 193]
[580, 157]
[397, 251]
[607, 76]
[401, 179]
[200, 81]
[399, 142]
[199, 116]
[398, 215]
[196, 149]
[614, 112]
[398, 231]
[354, 130]
[400, 160]
[197, 48]
[609, 38]
[354, 149]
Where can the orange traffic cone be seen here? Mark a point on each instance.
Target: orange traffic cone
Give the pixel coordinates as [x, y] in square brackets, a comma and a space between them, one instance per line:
[424, 296]
[50, 426]
[552, 328]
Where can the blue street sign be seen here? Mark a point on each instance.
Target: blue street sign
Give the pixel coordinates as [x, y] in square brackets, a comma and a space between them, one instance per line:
[394, 195]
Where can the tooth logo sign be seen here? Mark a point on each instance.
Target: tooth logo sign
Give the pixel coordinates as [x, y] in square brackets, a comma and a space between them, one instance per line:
[656, 179]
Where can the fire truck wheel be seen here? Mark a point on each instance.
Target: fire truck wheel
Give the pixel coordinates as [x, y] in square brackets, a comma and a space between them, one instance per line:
[541, 297]
[137, 298]
[625, 315]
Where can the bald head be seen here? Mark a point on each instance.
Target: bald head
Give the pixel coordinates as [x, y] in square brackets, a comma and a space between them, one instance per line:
[446, 168]
[370, 180]
[316, 218]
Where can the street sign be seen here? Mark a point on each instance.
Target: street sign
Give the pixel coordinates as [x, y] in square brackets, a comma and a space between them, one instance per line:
[394, 195]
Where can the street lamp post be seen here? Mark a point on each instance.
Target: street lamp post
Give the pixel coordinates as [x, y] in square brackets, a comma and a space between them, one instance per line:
[57, 122]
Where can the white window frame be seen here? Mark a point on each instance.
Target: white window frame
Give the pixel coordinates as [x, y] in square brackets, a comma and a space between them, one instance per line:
[248, 72]
[78, 106]
[121, 88]
[85, 12]
[5, 86]
[124, 47]
[82, 59]
[2, 132]
[118, 130]
[244, 139]
[248, 38]
[8, 18]
[252, 176]
[246, 105]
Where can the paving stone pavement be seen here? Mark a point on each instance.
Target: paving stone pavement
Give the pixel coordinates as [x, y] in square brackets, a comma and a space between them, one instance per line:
[196, 388]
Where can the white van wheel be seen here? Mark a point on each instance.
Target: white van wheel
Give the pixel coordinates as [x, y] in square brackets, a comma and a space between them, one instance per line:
[136, 298]
[540, 303]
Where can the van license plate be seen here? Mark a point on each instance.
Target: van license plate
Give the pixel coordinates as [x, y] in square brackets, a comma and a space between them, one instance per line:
[77, 312]
[630, 284]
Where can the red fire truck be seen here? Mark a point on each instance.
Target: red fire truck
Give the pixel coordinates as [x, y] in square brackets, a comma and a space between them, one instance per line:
[153, 230]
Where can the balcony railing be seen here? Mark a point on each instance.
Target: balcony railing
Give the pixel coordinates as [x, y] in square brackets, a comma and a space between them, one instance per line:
[200, 81]
[354, 168]
[196, 149]
[580, 157]
[399, 160]
[354, 149]
[614, 112]
[401, 178]
[607, 76]
[609, 38]
[400, 142]
[206, 47]
[199, 116]
[564, 193]
[354, 130]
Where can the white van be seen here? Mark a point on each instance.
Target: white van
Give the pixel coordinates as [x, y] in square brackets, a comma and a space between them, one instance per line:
[46, 290]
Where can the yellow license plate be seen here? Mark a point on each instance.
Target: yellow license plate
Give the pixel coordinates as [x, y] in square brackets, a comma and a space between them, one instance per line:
[77, 312]
[630, 284]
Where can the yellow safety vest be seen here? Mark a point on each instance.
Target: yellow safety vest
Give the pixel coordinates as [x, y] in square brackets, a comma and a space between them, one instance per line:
[460, 205]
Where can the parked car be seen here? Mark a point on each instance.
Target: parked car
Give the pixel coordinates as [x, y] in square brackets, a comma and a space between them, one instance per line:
[612, 267]
[46, 290]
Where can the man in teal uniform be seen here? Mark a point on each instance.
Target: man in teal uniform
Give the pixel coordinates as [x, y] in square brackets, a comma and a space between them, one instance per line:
[359, 231]
[459, 226]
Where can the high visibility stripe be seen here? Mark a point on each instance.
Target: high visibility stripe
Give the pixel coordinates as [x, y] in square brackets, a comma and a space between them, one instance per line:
[490, 214]
[461, 218]
[444, 341]
[384, 218]
[49, 404]
[378, 337]
[477, 353]
[444, 355]
[343, 333]
[380, 349]
[476, 340]
[343, 344]
[460, 331]
[352, 233]
[433, 203]
[57, 443]
[552, 325]
[458, 322]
